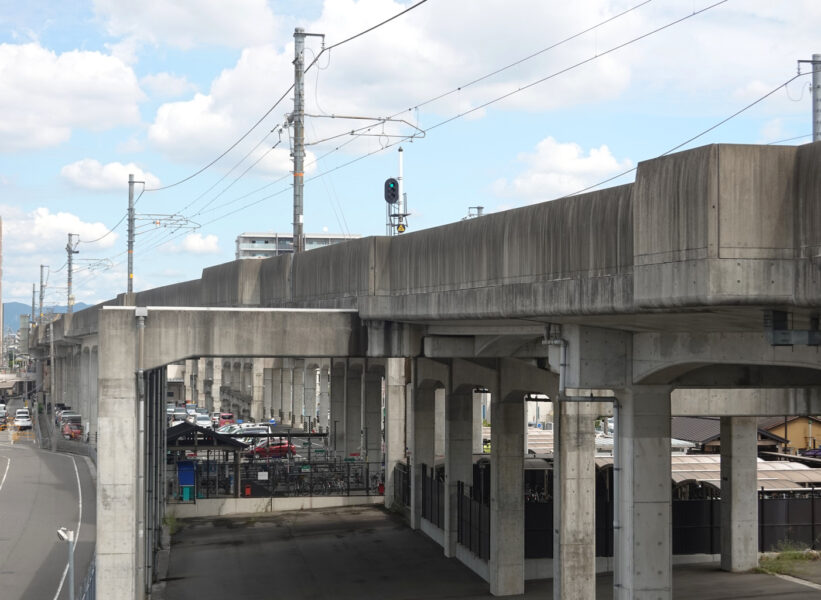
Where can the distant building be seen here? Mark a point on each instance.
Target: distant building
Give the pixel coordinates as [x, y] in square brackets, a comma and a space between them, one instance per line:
[265, 245]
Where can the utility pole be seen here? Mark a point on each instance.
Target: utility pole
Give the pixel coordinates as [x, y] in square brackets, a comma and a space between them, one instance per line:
[299, 136]
[816, 97]
[31, 317]
[130, 233]
[42, 293]
[70, 249]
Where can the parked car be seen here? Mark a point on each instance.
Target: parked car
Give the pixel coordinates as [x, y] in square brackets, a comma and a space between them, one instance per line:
[274, 447]
[225, 418]
[215, 419]
[73, 431]
[22, 419]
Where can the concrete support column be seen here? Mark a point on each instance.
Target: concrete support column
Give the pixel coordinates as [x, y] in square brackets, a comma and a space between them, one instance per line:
[478, 401]
[422, 449]
[202, 375]
[459, 426]
[257, 387]
[324, 396]
[353, 412]
[299, 394]
[643, 537]
[267, 392]
[310, 395]
[276, 390]
[395, 385]
[439, 422]
[85, 388]
[372, 417]
[507, 511]
[93, 394]
[117, 456]
[287, 391]
[574, 500]
[216, 385]
[739, 499]
[188, 382]
[337, 406]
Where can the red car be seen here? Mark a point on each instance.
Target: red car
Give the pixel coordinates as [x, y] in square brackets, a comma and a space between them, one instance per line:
[73, 431]
[271, 448]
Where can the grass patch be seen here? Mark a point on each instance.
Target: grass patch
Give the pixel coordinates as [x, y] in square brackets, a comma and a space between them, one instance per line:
[789, 559]
[171, 522]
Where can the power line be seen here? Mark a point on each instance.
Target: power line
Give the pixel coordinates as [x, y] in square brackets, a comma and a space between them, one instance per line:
[234, 145]
[378, 25]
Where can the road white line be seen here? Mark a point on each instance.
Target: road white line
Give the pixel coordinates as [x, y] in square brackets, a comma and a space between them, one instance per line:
[8, 464]
[77, 529]
[809, 584]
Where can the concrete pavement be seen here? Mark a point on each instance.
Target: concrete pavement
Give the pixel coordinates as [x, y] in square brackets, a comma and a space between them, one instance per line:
[364, 552]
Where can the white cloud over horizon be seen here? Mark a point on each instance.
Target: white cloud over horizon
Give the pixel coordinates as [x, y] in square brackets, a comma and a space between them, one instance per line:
[196, 243]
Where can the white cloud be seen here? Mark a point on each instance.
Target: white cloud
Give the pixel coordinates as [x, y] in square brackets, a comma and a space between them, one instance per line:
[166, 85]
[43, 231]
[196, 243]
[44, 95]
[89, 174]
[557, 169]
[189, 23]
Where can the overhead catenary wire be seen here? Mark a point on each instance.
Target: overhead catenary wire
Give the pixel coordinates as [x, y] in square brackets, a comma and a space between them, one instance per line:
[489, 102]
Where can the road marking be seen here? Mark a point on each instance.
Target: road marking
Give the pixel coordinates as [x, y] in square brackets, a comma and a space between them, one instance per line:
[804, 582]
[8, 464]
[77, 530]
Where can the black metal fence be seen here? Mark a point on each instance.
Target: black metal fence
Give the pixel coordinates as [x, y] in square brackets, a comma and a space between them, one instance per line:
[401, 484]
[267, 478]
[433, 495]
[473, 521]
[783, 522]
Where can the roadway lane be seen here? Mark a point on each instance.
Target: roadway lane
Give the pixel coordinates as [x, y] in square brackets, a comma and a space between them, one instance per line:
[41, 491]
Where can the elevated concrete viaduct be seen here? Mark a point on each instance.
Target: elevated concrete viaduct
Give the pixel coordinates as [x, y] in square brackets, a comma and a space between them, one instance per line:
[699, 282]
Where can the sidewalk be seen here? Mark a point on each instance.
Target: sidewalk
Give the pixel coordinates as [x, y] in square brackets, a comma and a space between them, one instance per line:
[365, 552]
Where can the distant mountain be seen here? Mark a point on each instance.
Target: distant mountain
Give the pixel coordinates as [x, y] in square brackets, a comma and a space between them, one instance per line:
[12, 311]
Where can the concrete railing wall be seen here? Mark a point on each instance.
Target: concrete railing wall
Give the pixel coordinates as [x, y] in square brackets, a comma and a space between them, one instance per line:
[722, 224]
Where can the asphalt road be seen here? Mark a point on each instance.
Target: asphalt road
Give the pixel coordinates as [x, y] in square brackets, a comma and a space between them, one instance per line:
[360, 553]
[41, 491]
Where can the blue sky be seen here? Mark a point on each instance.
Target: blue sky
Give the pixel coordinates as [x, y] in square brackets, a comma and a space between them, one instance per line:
[91, 91]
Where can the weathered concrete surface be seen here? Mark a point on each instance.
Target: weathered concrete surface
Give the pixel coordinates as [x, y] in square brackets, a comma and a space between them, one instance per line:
[173, 334]
[739, 500]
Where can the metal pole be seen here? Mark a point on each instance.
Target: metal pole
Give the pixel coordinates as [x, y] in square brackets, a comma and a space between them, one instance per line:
[816, 97]
[299, 135]
[401, 203]
[130, 233]
[32, 320]
[71, 543]
[52, 396]
[42, 294]
[71, 252]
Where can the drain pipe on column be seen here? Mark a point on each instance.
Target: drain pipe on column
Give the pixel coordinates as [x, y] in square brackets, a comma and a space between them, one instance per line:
[141, 313]
[553, 338]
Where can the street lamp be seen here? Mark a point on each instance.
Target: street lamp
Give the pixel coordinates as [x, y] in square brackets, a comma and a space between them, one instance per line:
[67, 535]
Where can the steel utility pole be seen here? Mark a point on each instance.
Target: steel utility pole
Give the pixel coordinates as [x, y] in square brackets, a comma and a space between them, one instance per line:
[130, 233]
[42, 293]
[298, 120]
[70, 249]
[299, 136]
[816, 97]
[32, 321]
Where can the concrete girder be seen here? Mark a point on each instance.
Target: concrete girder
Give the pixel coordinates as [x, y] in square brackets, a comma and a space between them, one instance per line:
[746, 402]
[172, 334]
[661, 358]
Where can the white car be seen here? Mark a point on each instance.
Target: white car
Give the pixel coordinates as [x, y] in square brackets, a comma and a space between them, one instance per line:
[204, 421]
[22, 419]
